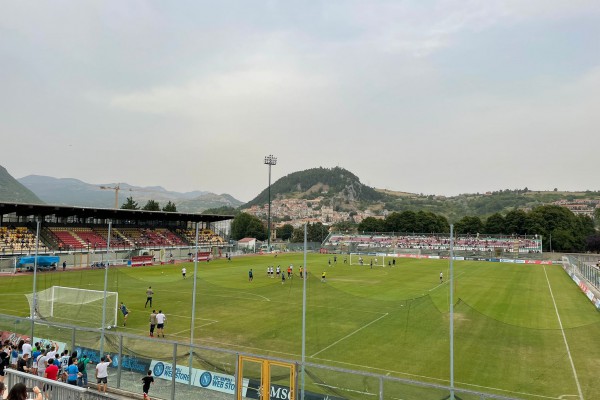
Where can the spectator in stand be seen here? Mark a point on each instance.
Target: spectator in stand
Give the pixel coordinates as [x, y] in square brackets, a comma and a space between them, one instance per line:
[42, 362]
[51, 371]
[4, 360]
[82, 367]
[27, 349]
[19, 392]
[102, 372]
[22, 363]
[34, 356]
[73, 372]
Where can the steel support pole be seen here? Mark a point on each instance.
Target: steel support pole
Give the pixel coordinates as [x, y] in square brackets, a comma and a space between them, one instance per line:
[193, 304]
[451, 312]
[105, 291]
[305, 268]
[33, 310]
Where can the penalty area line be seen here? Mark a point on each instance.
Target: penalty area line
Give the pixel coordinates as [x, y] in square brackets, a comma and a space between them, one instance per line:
[350, 334]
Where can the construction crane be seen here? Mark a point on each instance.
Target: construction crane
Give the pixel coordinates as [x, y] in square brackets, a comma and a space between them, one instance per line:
[116, 188]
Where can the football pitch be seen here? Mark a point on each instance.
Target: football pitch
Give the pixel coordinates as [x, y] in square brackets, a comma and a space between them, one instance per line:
[522, 331]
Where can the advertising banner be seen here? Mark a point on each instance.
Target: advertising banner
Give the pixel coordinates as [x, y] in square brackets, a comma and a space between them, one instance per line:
[278, 392]
[199, 378]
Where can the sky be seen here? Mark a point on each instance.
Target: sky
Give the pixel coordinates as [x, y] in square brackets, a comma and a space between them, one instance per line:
[424, 96]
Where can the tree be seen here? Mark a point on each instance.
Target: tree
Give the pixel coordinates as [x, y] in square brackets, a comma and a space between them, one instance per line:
[470, 225]
[495, 224]
[285, 232]
[151, 205]
[371, 224]
[170, 207]
[130, 204]
[593, 243]
[246, 225]
[345, 226]
[514, 222]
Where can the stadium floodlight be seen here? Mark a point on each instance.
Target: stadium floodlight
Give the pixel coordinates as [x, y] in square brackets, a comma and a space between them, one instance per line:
[269, 160]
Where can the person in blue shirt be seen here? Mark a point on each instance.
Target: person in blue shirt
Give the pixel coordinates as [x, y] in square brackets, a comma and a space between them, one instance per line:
[72, 372]
[125, 312]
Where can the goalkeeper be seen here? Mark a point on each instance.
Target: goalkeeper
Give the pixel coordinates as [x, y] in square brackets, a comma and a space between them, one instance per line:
[125, 312]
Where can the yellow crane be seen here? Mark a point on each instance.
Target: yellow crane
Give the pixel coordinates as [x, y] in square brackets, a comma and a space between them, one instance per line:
[116, 188]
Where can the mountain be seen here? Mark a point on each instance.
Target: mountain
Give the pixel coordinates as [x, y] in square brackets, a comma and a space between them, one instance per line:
[73, 192]
[342, 189]
[337, 183]
[12, 191]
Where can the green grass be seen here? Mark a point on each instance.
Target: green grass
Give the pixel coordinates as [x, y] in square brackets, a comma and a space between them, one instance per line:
[392, 321]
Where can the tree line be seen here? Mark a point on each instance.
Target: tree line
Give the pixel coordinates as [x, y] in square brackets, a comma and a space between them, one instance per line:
[151, 205]
[560, 229]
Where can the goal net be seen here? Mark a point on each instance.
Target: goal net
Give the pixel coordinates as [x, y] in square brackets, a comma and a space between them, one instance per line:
[75, 306]
[367, 259]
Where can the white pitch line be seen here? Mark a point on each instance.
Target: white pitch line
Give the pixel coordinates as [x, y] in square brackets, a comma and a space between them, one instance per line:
[350, 334]
[564, 337]
[444, 381]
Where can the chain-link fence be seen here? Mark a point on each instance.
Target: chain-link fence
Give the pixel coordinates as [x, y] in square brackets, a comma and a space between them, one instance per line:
[184, 371]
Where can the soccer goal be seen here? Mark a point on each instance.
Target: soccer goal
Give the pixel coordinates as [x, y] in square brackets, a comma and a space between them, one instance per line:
[75, 306]
[367, 259]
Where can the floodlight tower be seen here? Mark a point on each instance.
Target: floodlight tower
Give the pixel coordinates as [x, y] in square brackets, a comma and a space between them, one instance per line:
[269, 160]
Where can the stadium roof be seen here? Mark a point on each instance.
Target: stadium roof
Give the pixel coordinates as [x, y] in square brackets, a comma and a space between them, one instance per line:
[43, 210]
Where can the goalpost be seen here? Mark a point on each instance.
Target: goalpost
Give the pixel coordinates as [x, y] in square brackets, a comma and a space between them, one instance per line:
[75, 306]
[367, 259]
[8, 265]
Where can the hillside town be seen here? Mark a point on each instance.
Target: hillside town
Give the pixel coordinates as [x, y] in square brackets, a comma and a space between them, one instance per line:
[296, 212]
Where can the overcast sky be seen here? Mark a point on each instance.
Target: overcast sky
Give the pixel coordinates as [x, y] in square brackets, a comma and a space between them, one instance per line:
[424, 96]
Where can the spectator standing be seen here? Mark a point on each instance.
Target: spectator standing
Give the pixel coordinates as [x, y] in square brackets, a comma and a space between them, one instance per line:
[34, 357]
[65, 361]
[72, 372]
[4, 360]
[22, 363]
[152, 322]
[160, 323]
[27, 349]
[102, 372]
[51, 371]
[42, 362]
[82, 379]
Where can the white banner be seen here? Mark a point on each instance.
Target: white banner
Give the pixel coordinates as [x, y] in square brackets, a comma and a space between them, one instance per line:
[200, 378]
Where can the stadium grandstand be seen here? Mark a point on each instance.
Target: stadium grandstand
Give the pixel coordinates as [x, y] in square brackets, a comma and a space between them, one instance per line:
[68, 230]
[436, 244]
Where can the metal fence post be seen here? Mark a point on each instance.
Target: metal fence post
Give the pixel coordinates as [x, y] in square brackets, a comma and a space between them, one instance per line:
[120, 360]
[173, 371]
[381, 388]
[73, 334]
[237, 371]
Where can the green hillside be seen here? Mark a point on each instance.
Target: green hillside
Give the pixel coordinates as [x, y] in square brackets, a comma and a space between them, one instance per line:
[13, 192]
[315, 182]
